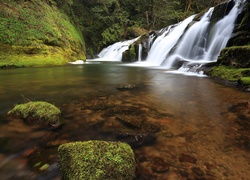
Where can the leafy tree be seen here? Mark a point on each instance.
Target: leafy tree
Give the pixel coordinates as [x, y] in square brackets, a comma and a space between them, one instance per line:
[104, 22]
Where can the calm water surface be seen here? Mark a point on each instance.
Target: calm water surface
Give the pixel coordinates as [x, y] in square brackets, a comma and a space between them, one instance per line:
[199, 124]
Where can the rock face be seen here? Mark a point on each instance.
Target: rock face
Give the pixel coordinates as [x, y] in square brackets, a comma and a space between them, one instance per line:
[97, 160]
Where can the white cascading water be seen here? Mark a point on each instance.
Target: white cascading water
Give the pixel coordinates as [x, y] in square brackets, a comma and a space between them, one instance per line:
[114, 52]
[193, 47]
[139, 52]
[206, 45]
[165, 42]
[192, 44]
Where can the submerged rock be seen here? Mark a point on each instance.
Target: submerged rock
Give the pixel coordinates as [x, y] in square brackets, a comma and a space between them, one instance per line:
[97, 160]
[187, 158]
[159, 165]
[126, 86]
[136, 139]
[38, 114]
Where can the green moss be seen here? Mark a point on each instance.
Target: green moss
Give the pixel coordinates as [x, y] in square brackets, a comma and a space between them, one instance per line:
[97, 160]
[44, 167]
[38, 113]
[34, 31]
[130, 54]
[228, 73]
[245, 81]
[35, 56]
[236, 56]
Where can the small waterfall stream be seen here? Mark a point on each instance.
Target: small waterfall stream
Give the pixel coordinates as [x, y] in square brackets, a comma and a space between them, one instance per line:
[186, 46]
[114, 52]
[139, 53]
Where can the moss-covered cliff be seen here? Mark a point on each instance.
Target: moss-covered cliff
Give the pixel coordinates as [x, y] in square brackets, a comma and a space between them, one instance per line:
[38, 33]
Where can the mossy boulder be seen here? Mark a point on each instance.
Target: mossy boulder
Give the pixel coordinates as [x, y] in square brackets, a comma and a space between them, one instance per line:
[37, 113]
[245, 81]
[131, 54]
[236, 56]
[97, 160]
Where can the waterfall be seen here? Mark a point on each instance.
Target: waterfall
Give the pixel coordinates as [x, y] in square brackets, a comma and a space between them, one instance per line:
[163, 44]
[114, 52]
[186, 46]
[192, 44]
[201, 43]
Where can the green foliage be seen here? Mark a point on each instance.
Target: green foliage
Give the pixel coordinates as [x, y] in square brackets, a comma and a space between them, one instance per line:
[38, 113]
[97, 160]
[107, 21]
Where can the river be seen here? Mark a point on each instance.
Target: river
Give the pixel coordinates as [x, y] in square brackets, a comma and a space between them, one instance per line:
[204, 129]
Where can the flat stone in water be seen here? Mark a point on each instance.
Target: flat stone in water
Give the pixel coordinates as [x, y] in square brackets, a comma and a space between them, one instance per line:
[187, 158]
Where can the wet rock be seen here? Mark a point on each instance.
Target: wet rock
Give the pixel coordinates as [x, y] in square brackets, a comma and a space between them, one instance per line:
[128, 111]
[189, 138]
[14, 167]
[57, 142]
[136, 139]
[159, 165]
[146, 174]
[209, 166]
[169, 135]
[141, 157]
[187, 158]
[126, 86]
[150, 128]
[130, 122]
[241, 124]
[242, 106]
[197, 171]
[29, 151]
[4, 141]
[96, 104]
[52, 172]
[184, 174]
